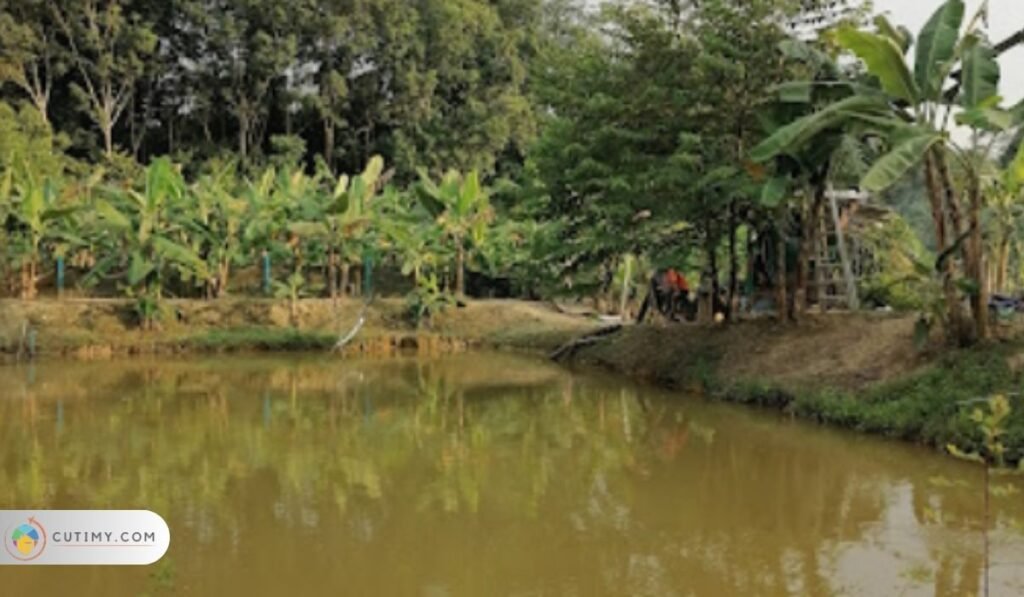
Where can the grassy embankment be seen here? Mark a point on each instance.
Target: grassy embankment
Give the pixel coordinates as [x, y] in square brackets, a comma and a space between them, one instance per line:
[97, 328]
[860, 372]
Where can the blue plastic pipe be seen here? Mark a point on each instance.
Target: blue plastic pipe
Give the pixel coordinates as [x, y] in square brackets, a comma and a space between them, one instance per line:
[368, 274]
[60, 276]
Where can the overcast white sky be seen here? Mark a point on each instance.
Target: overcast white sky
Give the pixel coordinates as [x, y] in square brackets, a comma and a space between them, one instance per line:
[1007, 17]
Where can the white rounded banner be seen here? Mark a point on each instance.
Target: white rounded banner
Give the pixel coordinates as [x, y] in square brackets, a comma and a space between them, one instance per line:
[83, 537]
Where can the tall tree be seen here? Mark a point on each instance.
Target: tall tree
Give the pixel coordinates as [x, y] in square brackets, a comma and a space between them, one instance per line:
[108, 43]
[237, 51]
[30, 57]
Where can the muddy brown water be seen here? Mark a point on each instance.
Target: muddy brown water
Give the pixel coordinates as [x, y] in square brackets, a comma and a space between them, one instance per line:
[481, 474]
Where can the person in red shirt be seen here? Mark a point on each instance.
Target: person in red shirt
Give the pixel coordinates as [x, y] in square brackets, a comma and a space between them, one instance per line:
[669, 291]
[675, 291]
[676, 282]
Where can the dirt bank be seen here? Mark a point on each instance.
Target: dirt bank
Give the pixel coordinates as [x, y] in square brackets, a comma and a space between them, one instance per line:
[841, 350]
[859, 371]
[92, 328]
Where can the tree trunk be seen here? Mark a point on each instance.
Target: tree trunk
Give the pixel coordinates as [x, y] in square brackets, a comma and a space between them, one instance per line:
[332, 274]
[971, 249]
[460, 269]
[42, 106]
[24, 281]
[222, 278]
[1003, 265]
[624, 299]
[803, 272]
[781, 296]
[243, 136]
[734, 276]
[329, 143]
[715, 286]
[344, 278]
[108, 138]
[814, 243]
[936, 194]
[33, 278]
[753, 242]
[979, 299]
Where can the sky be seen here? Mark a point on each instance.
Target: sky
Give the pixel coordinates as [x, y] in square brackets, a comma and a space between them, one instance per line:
[1006, 18]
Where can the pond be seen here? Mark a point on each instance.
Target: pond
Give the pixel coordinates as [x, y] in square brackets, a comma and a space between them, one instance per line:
[481, 474]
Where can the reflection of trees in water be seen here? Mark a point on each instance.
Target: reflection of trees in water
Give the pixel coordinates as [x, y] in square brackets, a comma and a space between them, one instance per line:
[662, 494]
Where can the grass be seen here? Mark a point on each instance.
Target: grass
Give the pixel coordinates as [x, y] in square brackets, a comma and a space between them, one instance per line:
[932, 406]
[259, 339]
[243, 324]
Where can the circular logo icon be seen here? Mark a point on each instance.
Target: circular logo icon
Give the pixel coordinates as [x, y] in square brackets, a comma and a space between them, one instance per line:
[26, 541]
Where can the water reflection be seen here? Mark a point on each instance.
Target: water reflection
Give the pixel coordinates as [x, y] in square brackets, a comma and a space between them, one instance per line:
[481, 474]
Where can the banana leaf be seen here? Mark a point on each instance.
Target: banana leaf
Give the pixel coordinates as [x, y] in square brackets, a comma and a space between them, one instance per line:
[111, 216]
[891, 167]
[139, 268]
[936, 47]
[791, 137]
[884, 60]
[900, 35]
[980, 76]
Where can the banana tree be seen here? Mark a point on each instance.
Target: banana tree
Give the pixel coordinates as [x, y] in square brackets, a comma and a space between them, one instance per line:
[1006, 191]
[221, 216]
[293, 190]
[910, 110]
[342, 221]
[6, 184]
[142, 231]
[803, 176]
[36, 208]
[416, 246]
[268, 215]
[462, 211]
[353, 214]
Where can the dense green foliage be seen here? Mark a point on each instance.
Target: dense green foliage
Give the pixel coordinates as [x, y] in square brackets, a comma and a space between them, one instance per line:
[440, 83]
[549, 146]
[908, 106]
